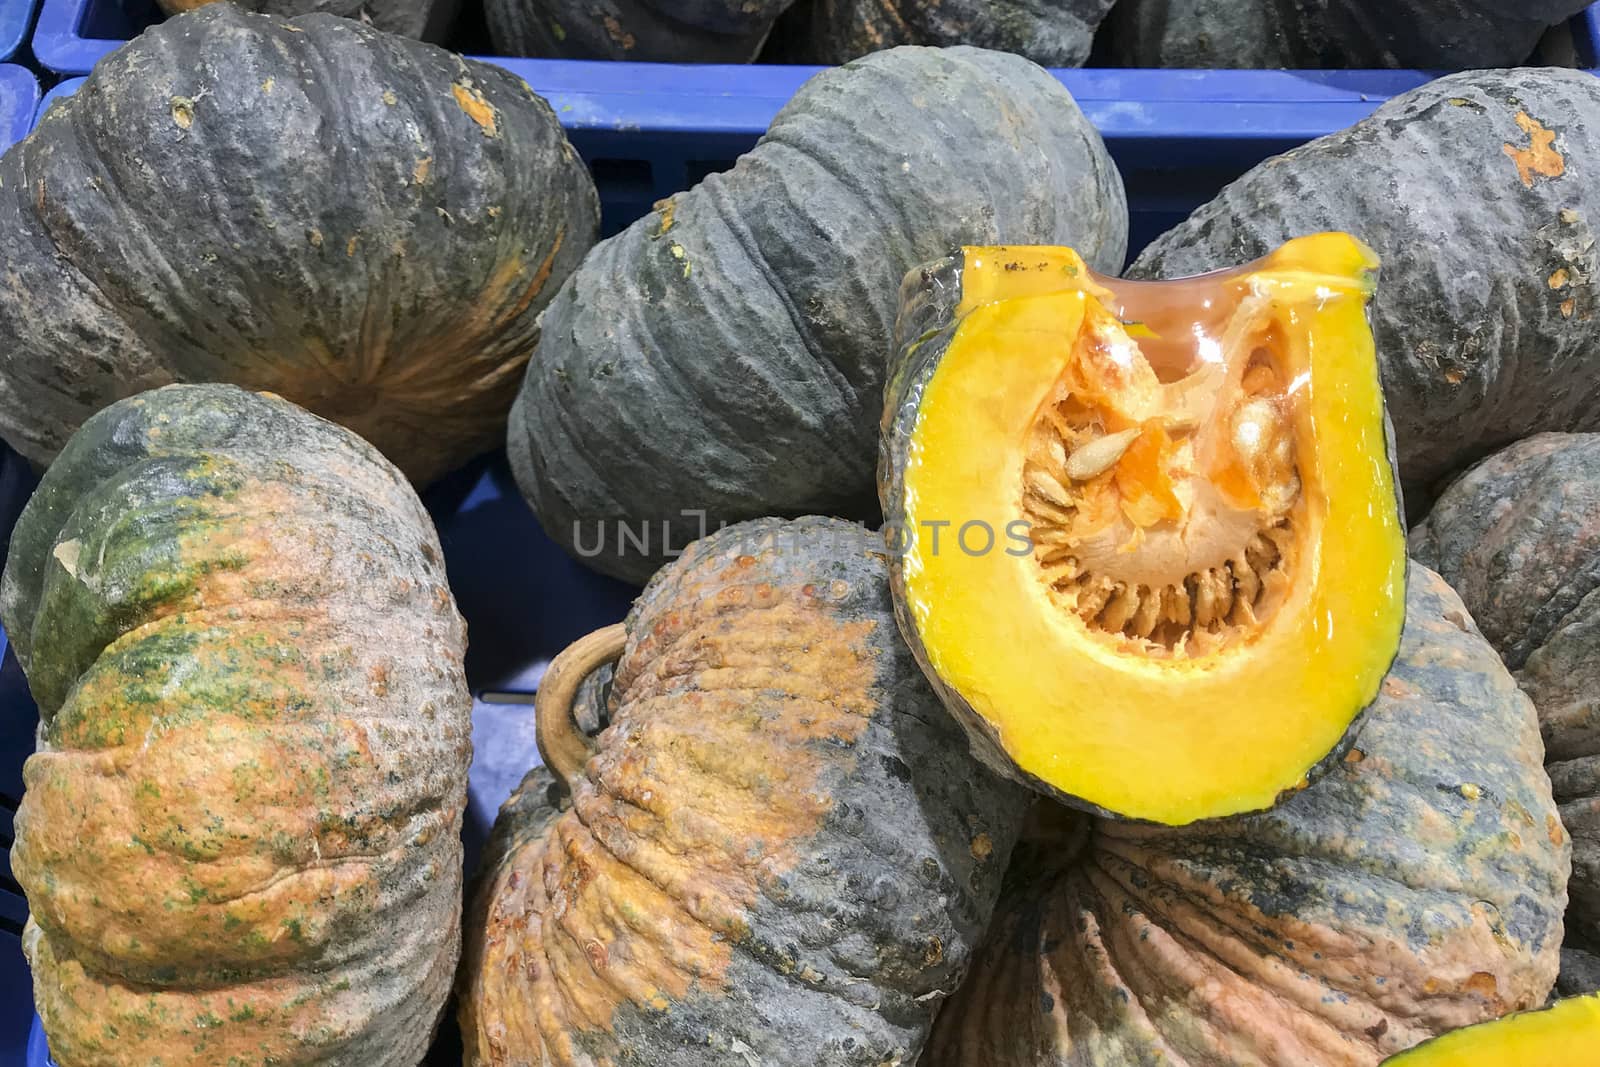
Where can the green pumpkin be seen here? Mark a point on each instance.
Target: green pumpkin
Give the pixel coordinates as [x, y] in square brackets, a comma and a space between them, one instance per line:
[1480, 193]
[724, 357]
[363, 224]
[1519, 536]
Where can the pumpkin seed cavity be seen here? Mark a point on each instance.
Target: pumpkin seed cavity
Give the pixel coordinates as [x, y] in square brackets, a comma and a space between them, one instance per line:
[1163, 506]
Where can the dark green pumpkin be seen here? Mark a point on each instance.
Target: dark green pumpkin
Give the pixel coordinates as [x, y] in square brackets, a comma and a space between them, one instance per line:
[427, 20]
[364, 224]
[778, 851]
[1481, 194]
[1432, 34]
[240, 837]
[1052, 33]
[724, 357]
[1416, 888]
[1519, 537]
[669, 31]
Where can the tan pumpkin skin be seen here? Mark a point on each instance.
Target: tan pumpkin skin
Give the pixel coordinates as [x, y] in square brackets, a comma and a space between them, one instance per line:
[240, 836]
[1416, 888]
[780, 852]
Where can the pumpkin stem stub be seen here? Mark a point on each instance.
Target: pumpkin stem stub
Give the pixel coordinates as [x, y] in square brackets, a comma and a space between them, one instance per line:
[562, 746]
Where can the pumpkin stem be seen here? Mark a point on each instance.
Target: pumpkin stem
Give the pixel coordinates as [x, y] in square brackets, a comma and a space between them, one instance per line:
[563, 746]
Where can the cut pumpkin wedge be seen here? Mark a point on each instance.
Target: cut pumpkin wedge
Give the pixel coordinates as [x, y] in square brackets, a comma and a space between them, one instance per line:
[1146, 537]
[1566, 1034]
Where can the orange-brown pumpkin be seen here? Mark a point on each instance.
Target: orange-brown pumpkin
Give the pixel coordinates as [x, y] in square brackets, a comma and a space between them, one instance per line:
[240, 837]
[778, 852]
[1416, 888]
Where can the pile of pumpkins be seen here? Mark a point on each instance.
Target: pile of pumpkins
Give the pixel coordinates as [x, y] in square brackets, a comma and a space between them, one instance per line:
[1426, 34]
[1217, 764]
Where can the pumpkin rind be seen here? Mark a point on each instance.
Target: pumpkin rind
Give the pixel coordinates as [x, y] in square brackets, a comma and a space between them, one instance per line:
[1052, 33]
[1519, 537]
[779, 852]
[1430, 34]
[240, 837]
[1479, 193]
[996, 348]
[366, 225]
[1416, 888]
[759, 305]
[666, 31]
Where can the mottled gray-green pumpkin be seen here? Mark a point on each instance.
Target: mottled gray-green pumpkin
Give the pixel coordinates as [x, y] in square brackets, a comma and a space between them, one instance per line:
[1431, 34]
[240, 837]
[726, 354]
[1518, 536]
[1481, 193]
[777, 852]
[665, 31]
[423, 19]
[366, 225]
[1415, 888]
[1052, 33]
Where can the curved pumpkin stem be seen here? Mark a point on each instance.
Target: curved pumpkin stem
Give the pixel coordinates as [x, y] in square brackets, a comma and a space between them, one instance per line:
[562, 746]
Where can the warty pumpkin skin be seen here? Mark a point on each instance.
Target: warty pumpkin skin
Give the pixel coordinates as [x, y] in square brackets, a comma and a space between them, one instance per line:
[421, 19]
[779, 851]
[1131, 516]
[1431, 34]
[240, 836]
[667, 31]
[1052, 33]
[1479, 194]
[1566, 1034]
[726, 353]
[363, 224]
[1416, 888]
[1519, 537]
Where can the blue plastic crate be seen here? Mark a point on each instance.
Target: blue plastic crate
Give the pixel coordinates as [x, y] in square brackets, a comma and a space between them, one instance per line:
[15, 18]
[19, 96]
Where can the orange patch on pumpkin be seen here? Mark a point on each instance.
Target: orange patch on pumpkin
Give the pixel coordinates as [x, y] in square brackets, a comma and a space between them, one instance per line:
[1540, 158]
[477, 108]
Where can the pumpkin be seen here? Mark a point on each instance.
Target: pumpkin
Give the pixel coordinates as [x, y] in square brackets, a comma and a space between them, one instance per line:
[1477, 192]
[1567, 1032]
[723, 358]
[366, 225]
[240, 836]
[678, 31]
[1519, 537]
[1416, 888]
[1057, 34]
[777, 851]
[422, 19]
[1432, 34]
[1133, 515]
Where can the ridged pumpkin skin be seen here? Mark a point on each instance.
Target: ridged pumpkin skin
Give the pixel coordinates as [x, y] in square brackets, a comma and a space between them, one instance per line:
[1416, 888]
[663, 31]
[421, 19]
[240, 836]
[1480, 193]
[1432, 34]
[1519, 537]
[759, 306]
[363, 224]
[1052, 33]
[780, 852]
